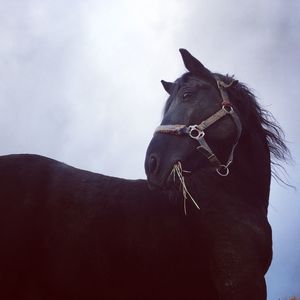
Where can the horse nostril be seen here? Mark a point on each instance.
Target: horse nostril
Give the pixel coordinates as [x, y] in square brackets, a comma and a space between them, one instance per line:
[153, 164]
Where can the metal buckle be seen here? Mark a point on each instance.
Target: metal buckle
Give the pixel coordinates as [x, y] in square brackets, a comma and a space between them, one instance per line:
[227, 108]
[223, 170]
[195, 133]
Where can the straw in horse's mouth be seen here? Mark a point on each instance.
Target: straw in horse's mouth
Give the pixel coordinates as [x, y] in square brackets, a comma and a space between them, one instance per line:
[177, 171]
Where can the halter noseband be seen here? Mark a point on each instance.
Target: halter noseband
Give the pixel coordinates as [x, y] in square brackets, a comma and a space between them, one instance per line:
[197, 131]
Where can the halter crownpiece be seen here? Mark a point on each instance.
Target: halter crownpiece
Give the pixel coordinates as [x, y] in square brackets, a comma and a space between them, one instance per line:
[197, 132]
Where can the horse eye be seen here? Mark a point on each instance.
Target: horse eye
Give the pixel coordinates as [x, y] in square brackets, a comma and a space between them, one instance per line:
[186, 95]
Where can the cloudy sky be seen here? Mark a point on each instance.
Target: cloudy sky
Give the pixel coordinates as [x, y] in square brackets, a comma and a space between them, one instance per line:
[80, 82]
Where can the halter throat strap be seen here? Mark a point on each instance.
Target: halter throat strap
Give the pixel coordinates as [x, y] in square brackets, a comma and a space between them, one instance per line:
[197, 131]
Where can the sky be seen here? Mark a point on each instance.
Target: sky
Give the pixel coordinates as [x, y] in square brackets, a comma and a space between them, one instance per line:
[80, 83]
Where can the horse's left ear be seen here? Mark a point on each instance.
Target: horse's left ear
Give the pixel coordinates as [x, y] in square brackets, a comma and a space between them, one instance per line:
[193, 64]
[167, 86]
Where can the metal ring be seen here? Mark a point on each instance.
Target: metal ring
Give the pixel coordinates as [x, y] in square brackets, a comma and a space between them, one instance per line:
[198, 133]
[223, 170]
[228, 108]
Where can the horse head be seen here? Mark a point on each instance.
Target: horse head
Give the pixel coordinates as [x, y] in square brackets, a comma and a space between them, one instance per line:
[200, 126]
[213, 129]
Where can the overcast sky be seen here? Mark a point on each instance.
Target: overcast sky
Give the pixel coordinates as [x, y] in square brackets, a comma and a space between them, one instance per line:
[80, 82]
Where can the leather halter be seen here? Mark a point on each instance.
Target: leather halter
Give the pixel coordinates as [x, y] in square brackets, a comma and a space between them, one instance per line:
[197, 132]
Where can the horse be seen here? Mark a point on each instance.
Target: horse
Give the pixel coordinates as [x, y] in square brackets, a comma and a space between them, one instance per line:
[214, 151]
[72, 234]
[68, 233]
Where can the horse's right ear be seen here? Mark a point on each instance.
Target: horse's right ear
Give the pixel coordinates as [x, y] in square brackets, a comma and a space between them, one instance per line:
[193, 64]
[167, 86]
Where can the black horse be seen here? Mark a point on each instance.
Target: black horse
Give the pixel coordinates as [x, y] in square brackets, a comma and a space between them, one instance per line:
[214, 128]
[71, 234]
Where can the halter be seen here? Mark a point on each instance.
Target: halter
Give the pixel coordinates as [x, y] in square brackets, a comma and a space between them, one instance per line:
[197, 132]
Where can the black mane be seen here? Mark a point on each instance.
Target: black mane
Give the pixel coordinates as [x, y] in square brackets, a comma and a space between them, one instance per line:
[253, 113]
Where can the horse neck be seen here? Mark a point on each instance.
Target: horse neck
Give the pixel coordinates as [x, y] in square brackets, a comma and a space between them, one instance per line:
[252, 167]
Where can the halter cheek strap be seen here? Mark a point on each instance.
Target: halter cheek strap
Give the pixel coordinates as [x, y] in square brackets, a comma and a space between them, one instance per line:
[197, 132]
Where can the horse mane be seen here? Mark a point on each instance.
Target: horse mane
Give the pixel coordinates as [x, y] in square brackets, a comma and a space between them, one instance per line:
[245, 101]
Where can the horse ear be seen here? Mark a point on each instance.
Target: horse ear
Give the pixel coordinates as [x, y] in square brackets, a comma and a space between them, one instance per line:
[167, 86]
[192, 64]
